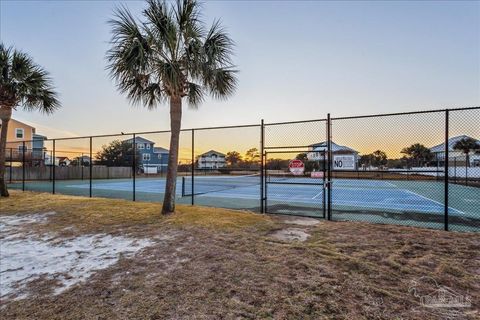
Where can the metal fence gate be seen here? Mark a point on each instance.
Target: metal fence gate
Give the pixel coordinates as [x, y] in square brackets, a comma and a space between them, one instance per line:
[284, 192]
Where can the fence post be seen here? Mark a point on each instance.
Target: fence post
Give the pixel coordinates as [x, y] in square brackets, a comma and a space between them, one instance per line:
[193, 167]
[262, 178]
[329, 169]
[134, 162]
[447, 120]
[90, 169]
[265, 171]
[23, 165]
[53, 181]
[324, 169]
[11, 165]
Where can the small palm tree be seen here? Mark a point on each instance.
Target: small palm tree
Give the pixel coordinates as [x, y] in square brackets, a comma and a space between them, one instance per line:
[172, 57]
[466, 145]
[22, 83]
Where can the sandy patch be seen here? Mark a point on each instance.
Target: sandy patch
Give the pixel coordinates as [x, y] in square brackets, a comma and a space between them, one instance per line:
[290, 234]
[301, 221]
[28, 257]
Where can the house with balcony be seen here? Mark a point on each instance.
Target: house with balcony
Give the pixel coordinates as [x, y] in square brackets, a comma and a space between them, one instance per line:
[152, 159]
[211, 160]
[23, 143]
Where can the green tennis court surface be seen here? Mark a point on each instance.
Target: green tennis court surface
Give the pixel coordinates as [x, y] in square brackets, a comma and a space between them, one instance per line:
[404, 202]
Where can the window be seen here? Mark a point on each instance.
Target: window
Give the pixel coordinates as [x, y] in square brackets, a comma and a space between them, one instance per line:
[146, 156]
[140, 146]
[160, 156]
[148, 145]
[22, 148]
[19, 133]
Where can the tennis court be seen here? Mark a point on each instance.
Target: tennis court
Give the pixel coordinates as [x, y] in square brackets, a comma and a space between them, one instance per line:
[359, 199]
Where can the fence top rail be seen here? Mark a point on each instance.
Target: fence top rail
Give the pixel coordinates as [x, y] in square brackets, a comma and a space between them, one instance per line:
[405, 113]
[294, 122]
[252, 125]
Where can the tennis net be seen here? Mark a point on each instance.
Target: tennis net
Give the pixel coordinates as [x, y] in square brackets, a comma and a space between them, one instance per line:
[205, 184]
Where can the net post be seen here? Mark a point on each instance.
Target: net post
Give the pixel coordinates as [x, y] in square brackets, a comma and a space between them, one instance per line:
[23, 165]
[90, 169]
[329, 168]
[446, 173]
[53, 168]
[81, 164]
[134, 163]
[183, 186]
[262, 181]
[193, 167]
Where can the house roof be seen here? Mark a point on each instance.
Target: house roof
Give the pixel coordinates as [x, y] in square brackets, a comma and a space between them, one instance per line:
[35, 136]
[139, 140]
[160, 150]
[451, 144]
[208, 153]
[322, 146]
[25, 124]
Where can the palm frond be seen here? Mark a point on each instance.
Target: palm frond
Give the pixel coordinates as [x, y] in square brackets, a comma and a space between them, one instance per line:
[25, 84]
[162, 26]
[130, 48]
[218, 46]
[170, 55]
[195, 94]
[221, 82]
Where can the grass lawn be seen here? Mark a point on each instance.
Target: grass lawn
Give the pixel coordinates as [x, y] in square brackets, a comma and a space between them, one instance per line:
[213, 263]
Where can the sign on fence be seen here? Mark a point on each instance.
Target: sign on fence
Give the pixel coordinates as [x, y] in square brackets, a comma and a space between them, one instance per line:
[296, 167]
[343, 162]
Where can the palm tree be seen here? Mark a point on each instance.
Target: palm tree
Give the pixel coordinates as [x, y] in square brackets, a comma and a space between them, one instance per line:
[172, 57]
[466, 145]
[22, 84]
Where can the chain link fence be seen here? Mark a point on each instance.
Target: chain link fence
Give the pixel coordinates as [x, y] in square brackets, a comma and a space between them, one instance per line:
[417, 168]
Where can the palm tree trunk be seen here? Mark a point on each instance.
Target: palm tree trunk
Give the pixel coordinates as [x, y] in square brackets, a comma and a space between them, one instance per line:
[170, 186]
[5, 115]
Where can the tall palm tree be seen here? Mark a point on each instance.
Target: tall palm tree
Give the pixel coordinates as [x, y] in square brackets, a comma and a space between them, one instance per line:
[22, 84]
[466, 145]
[170, 56]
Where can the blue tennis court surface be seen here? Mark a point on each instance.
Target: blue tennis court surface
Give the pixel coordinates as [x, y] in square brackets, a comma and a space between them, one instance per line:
[367, 194]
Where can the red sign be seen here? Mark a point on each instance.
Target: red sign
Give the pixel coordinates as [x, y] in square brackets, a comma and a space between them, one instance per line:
[296, 167]
[317, 174]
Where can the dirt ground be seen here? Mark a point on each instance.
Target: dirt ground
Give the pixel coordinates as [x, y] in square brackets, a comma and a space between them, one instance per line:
[208, 263]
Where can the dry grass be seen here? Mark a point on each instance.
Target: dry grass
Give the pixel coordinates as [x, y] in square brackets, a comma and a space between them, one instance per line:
[92, 215]
[222, 264]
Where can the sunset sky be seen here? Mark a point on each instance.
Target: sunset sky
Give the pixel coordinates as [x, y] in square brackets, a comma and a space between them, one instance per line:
[297, 60]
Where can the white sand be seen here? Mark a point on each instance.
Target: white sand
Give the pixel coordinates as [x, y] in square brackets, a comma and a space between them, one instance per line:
[25, 257]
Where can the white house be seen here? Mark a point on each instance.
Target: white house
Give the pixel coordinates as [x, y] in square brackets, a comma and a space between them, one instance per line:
[211, 160]
[344, 158]
[456, 155]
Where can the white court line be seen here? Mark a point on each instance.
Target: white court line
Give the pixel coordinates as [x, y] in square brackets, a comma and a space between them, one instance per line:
[442, 204]
[371, 205]
[315, 196]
